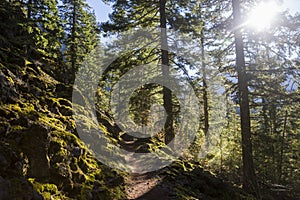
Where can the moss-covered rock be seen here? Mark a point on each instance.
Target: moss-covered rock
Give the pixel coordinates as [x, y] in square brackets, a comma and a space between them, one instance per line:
[41, 156]
[187, 180]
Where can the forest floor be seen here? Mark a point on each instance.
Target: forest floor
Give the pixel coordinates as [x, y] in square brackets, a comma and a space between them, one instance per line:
[146, 186]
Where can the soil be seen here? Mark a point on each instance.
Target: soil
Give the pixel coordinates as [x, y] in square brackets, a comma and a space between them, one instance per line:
[146, 186]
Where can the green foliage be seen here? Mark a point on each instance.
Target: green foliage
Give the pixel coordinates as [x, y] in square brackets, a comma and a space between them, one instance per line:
[80, 36]
[45, 26]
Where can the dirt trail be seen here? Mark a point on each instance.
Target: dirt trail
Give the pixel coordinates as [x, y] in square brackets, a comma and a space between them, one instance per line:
[146, 187]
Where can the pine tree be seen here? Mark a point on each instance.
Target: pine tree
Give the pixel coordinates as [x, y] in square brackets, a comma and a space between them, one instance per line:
[81, 34]
[45, 26]
[13, 25]
[249, 179]
[128, 15]
[272, 72]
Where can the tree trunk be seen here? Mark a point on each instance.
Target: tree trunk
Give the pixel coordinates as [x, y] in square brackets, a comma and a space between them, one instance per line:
[205, 87]
[274, 133]
[73, 38]
[167, 95]
[29, 8]
[249, 179]
[282, 148]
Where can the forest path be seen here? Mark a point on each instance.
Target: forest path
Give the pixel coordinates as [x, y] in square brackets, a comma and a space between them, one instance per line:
[143, 186]
[146, 186]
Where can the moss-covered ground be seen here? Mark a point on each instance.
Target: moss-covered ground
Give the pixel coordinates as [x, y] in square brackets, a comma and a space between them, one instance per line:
[41, 156]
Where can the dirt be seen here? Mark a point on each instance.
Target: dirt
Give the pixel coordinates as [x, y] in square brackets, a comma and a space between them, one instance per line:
[146, 186]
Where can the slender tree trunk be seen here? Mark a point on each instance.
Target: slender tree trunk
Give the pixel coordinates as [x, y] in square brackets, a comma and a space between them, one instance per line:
[264, 113]
[221, 154]
[249, 179]
[73, 39]
[282, 148]
[29, 8]
[266, 129]
[274, 133]
[167, 95]
[205, 87]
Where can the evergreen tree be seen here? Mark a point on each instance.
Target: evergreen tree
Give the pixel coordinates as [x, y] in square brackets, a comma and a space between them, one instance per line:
[261, 73]
[138, 14]
[81, 34]
[45, 26]
[249, 178]
[272, 73]
[13, 25]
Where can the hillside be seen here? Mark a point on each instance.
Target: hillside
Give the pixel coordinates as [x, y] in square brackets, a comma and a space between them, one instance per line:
[43, 157]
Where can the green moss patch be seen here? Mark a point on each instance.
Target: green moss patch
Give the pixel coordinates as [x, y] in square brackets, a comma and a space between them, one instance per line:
[47, 190]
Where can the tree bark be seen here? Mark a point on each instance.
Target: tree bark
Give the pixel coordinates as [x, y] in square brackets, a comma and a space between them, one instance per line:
[73, 38]
[205, 87]
[29, 8]
[282, 148]
[249, 178]
[167, 94]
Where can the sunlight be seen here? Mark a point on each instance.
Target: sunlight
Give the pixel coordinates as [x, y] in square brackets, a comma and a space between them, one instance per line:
[262, 16]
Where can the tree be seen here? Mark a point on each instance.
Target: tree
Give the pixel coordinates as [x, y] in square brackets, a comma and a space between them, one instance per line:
[167, 96]
[81, 34]
[13, 25]
[45, 26]
[249, 179]
[273, 73]
[138, 14]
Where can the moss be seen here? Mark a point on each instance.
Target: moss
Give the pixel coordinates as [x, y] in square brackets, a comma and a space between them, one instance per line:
[69, 122]
[70, 176]
[10, 80]
[18, 109]
[47, 190]
[47, 78]
[12, 107]
[17, 128]
[188, 181]
[51, 122]
[67, 137]
[4, 125]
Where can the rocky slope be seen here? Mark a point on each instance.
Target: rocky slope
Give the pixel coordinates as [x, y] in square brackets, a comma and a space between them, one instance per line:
[40, 155]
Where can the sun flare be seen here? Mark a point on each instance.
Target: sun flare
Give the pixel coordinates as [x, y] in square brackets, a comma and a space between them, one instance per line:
[262, 15]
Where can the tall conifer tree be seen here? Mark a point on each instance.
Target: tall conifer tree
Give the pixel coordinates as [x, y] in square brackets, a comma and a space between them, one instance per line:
[81, 34]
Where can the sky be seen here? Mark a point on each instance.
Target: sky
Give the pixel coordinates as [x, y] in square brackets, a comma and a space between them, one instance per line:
[102, 10]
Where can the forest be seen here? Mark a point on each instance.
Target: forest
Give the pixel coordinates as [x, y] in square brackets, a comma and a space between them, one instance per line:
[167, 99]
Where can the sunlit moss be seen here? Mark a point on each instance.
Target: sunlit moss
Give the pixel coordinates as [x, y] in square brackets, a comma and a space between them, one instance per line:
[10, 80]
[52, 122]
[47, 190]
[17, 128]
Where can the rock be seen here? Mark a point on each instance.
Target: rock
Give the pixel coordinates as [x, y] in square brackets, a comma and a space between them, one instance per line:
[27, 145]
[8, 93]
[37, 196]
[66, 111]
[4, 188]
[35, 145]
[64, 91]
[77, 151]
[4, 163]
